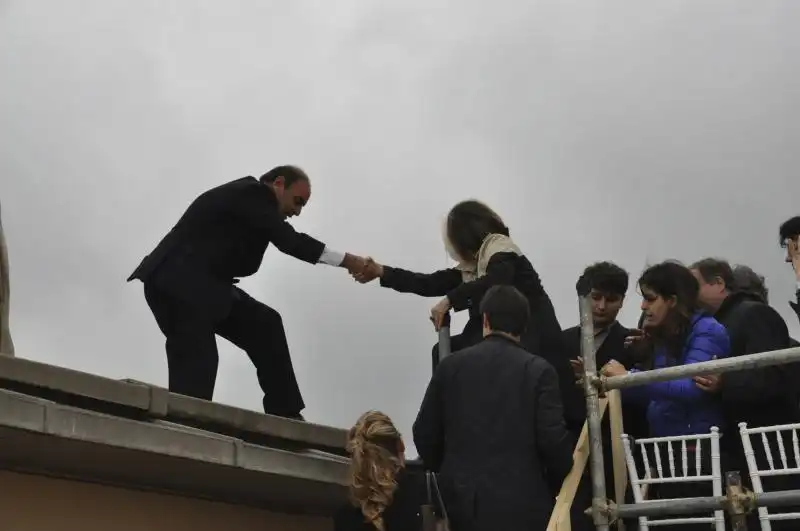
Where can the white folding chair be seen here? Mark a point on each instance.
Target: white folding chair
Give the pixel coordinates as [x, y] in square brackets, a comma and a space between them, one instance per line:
[782, 469]
[676, 476]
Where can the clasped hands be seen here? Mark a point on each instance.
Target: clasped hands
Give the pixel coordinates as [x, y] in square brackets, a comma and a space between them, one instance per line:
[612, 368]
[364, 270]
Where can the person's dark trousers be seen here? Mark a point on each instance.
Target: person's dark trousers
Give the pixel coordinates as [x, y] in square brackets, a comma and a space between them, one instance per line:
[254, 327]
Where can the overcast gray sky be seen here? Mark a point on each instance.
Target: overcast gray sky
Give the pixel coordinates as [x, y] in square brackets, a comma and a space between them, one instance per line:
[622, 130]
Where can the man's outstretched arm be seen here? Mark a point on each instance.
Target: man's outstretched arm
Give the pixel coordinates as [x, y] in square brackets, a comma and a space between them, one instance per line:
[255, 204]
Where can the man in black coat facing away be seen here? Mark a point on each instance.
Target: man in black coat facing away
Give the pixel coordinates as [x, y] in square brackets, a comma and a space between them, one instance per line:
[189, 283]
[492, 425]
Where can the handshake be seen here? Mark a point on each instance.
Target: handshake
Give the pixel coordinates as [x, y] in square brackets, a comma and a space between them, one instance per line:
[365, 270]
[362, 269]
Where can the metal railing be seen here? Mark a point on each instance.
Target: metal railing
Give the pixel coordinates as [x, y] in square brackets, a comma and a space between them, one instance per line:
[737, 501]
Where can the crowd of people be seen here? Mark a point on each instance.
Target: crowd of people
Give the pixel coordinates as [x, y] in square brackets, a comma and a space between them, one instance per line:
[500, 417]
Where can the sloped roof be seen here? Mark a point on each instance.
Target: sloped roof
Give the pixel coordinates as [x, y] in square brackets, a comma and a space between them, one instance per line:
[68, 423]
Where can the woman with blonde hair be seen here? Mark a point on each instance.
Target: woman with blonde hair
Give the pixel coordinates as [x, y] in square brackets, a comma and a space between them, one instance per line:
[383, 495]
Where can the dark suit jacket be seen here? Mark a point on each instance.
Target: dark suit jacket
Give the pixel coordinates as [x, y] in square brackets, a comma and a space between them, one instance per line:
[612, 348]
[223, 235]
[492, 424]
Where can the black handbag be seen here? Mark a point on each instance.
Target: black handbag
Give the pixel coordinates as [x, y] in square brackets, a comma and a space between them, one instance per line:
[430, 520]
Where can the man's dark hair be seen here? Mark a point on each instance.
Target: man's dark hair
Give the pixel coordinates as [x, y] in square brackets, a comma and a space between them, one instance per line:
[712, 269]
[790, 229]
[469, 223]
[750, 282]
[605, 277]
[506, 309]
[290, 174]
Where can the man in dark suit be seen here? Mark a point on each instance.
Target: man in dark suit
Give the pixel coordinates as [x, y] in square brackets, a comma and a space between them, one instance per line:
[492, 425]
[607, 284]
[189, 283]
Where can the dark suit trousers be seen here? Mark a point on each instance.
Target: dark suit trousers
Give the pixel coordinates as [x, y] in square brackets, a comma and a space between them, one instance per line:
[250, 325]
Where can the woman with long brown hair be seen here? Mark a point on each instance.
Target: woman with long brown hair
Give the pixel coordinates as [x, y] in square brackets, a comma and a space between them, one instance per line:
[383, 495]
[479, 241]
[676, 332]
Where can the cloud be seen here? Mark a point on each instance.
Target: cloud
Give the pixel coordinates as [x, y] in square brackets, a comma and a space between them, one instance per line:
[623, 131]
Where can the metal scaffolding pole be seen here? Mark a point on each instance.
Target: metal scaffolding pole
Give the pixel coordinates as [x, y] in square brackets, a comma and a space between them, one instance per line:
[786, 498]
[599, 501]
[739, 363]
[444, 337]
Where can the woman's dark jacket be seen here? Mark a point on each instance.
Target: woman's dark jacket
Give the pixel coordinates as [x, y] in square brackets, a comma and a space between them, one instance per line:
[543, 336]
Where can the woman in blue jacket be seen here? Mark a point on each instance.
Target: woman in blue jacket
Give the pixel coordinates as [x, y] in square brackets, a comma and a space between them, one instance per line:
[677, 332]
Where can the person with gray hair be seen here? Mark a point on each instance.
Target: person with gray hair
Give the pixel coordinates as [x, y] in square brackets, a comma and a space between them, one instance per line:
[6, 345]
[750, 282]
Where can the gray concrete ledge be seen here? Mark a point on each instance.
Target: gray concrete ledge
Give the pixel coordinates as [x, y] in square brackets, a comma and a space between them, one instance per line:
[141, 400]
[315, 435]
[49, 377]
[45, 437]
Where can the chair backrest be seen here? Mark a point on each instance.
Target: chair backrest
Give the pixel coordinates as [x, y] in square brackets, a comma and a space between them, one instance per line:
[785, 467]
[679, 471]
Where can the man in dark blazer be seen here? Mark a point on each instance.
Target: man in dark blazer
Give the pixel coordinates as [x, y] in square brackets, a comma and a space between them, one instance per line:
[607, 284]
[492, 425]
[189, 283]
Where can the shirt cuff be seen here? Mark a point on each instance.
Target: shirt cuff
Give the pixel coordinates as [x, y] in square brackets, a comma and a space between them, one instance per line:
[331, 257]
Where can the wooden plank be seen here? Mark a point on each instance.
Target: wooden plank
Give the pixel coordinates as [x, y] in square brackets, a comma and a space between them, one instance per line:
[617, 449]
[560, 517]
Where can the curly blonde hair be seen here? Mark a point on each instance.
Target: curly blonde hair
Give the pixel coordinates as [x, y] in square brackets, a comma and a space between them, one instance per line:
[375, 448]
